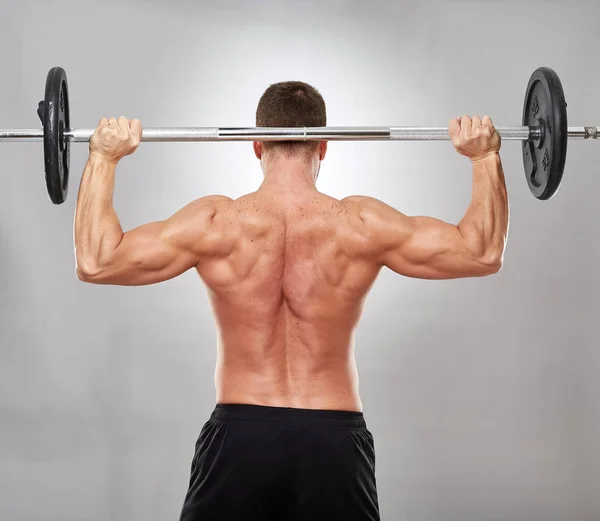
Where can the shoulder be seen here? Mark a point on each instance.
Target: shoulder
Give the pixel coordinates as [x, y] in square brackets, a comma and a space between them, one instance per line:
[199, 215]
[381, 222]
[370, 210]
[202, 225]
[212, 202]
[206, 208]
[360, 202]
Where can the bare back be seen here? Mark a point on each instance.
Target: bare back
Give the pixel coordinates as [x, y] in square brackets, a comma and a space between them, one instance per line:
[287, 299]
[288, 273]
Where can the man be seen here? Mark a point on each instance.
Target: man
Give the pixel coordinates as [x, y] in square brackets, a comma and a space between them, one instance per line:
[287, 269]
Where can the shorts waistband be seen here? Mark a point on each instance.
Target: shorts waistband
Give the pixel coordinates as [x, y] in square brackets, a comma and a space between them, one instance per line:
[234, 413]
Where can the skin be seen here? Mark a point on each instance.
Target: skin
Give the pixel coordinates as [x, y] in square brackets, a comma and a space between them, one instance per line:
[286, 267]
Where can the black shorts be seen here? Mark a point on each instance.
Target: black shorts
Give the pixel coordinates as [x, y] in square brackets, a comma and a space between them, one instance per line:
[270, 463]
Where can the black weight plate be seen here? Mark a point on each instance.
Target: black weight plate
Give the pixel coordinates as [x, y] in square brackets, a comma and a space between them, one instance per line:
[55, 120]
[544, 159]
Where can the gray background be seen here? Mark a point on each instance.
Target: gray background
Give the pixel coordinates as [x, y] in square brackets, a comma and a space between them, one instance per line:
[483, 395]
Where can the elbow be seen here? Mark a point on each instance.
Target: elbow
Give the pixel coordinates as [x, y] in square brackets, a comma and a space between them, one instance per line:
[495, 267]
[83, 275]
[492, 262]
[88, 270]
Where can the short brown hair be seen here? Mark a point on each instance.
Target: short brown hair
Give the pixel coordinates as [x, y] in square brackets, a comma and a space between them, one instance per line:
[291, 104]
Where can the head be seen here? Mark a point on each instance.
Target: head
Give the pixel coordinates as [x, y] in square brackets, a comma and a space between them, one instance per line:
[291, 104]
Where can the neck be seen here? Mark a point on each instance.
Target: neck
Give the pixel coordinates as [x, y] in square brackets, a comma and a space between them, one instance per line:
[289, 174]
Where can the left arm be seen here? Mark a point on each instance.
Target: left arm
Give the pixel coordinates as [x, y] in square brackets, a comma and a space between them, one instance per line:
[148, 254]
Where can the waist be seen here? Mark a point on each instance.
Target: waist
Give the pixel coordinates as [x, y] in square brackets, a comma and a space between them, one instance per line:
[325, 390]
[240, 413]
[339, 399]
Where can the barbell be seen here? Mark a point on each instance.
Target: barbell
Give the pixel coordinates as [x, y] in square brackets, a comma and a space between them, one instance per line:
[544, 133]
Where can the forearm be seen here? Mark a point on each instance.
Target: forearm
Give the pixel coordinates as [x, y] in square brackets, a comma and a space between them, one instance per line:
[485, 224]
[98, 231]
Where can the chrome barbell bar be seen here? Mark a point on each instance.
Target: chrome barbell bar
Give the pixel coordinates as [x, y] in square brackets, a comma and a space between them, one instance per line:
[211, 134]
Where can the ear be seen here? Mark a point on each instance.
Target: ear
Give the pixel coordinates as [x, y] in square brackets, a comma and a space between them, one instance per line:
[257, 149]
[322, 150]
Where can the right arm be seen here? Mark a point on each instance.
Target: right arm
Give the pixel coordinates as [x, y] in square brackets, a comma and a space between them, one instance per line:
[423, 247]
[150, 253]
